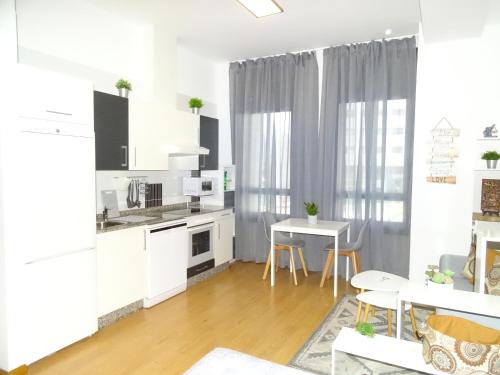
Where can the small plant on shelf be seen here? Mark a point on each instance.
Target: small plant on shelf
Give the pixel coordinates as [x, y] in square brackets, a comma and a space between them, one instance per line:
[491, 158]
[123, 84]
[123, 87]
[366, 329]
[490, 155]
[195, 104]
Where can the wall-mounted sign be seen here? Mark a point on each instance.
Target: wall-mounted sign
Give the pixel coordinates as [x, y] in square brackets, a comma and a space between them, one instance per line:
[443, 152]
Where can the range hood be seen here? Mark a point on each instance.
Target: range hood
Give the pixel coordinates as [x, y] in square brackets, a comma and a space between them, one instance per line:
[186, 150]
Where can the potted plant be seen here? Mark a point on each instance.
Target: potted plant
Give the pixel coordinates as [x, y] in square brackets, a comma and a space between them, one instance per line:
[312, 212]
[366, 329]
[123, 87]
[437, 279]
[491, 158]
[195, 104]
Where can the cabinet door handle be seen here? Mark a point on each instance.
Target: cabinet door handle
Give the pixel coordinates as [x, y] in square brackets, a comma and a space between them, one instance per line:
[203, 158]
[218, 226]
[125, 156]
[135, 156]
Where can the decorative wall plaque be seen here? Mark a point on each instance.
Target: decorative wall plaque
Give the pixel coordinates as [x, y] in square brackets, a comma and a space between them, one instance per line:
[443, 152]
[490, 197]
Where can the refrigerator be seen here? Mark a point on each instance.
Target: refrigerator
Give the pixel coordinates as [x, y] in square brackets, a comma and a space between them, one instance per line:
[48, 187]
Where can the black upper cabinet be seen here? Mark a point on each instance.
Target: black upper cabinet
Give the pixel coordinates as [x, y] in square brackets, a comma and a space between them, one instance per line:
[209, 138]
[111, 132]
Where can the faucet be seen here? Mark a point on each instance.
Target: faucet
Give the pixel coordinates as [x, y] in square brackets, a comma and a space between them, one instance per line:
[105, 214]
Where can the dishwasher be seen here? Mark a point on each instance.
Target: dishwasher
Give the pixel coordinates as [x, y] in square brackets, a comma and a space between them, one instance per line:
[166, 246]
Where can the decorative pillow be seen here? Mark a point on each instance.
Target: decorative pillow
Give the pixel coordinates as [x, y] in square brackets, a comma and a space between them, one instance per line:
[458, 346]
[470, 264]
[493, 280]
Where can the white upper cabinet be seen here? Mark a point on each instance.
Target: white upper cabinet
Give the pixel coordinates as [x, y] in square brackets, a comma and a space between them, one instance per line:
[152, 132]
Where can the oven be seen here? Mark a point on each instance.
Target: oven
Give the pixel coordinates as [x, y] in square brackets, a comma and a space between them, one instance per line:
[201, 247]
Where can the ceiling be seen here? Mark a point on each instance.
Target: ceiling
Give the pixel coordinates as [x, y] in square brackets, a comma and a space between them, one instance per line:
[224, 30]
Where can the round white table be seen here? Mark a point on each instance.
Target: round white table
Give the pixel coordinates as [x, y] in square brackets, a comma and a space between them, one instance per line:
[378, 280]
[384, 300]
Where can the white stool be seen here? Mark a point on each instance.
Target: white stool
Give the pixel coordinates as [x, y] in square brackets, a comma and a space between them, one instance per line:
[384, 300]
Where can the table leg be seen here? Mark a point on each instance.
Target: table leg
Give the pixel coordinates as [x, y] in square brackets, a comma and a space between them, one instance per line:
[399, 318]
[346, 268]
[272, 257]
[333, 359]
[347, 258]
[335, 270]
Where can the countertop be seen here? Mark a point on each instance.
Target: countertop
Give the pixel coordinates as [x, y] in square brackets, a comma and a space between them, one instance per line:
[156, 213]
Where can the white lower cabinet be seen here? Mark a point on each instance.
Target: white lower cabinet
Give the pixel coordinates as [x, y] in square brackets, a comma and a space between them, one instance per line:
[223, 244]
[120, 269]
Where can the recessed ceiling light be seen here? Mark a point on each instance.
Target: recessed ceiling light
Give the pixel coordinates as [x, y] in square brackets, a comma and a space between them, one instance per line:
[261, 8]
[388, 32]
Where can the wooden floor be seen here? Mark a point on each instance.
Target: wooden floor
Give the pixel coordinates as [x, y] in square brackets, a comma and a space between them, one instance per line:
[234, 309]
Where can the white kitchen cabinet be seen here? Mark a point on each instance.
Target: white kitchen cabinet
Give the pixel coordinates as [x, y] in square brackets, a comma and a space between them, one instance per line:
[223, 244]
[153, 130]
[120, 269]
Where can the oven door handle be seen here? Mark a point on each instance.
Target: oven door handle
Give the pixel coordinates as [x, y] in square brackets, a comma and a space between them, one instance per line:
[201, 226]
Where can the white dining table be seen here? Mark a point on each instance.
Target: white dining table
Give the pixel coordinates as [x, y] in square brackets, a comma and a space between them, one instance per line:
[322, 228]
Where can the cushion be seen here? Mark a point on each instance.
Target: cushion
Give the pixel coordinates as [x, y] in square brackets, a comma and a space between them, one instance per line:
[458, 346]
[493, 280]
[470, 264]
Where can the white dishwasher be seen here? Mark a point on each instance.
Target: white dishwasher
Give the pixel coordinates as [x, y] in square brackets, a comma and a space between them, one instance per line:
[166, 248]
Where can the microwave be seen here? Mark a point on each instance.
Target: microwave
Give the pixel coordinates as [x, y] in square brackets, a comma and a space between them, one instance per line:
[198, 186]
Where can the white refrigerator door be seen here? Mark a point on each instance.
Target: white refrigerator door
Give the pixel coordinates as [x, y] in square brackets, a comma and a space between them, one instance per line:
[61, 302]
[57, 185]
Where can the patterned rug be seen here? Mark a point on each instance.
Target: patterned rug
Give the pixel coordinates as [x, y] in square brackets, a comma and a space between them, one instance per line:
[315, 354]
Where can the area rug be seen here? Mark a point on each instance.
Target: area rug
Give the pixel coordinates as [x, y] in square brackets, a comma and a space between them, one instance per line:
[315, 354]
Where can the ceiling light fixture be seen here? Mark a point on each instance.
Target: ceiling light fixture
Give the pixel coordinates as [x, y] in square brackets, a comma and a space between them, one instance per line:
[261, 8]
[388, 32]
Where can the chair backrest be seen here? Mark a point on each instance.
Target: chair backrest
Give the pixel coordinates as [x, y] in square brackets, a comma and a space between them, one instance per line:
[363, 232]
[268, 219]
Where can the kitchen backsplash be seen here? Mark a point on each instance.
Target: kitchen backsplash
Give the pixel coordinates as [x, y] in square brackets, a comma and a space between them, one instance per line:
[171, 185]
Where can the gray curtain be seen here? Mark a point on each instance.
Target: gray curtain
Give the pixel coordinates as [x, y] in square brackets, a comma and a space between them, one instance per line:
[274, 128]
[366, 148]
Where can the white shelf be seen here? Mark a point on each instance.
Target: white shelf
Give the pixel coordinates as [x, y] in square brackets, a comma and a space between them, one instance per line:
[486, 170]
[489, 139]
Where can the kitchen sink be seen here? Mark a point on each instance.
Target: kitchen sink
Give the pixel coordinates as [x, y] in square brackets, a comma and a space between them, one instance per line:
[107, 224]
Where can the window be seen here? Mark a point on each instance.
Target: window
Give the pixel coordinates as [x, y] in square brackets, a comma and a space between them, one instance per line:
[270, 161]
[374, 172]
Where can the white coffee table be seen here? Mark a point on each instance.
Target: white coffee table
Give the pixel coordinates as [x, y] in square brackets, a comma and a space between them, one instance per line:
[387, 301]
[378, 280]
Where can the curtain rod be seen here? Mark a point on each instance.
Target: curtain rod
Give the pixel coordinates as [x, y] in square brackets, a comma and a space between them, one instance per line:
[323, 48]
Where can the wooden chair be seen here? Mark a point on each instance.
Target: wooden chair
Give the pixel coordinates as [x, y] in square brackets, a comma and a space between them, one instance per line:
[350, 250]
[282, 242]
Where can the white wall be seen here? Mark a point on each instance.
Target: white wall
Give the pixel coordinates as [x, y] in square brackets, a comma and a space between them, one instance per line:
[196, 77]
[458, 80]
[8, 46]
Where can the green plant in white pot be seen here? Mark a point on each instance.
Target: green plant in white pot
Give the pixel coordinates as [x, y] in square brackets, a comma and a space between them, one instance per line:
[312, 212]
[437, 279]
[123, 87]
[195, 104]
[491, 158]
